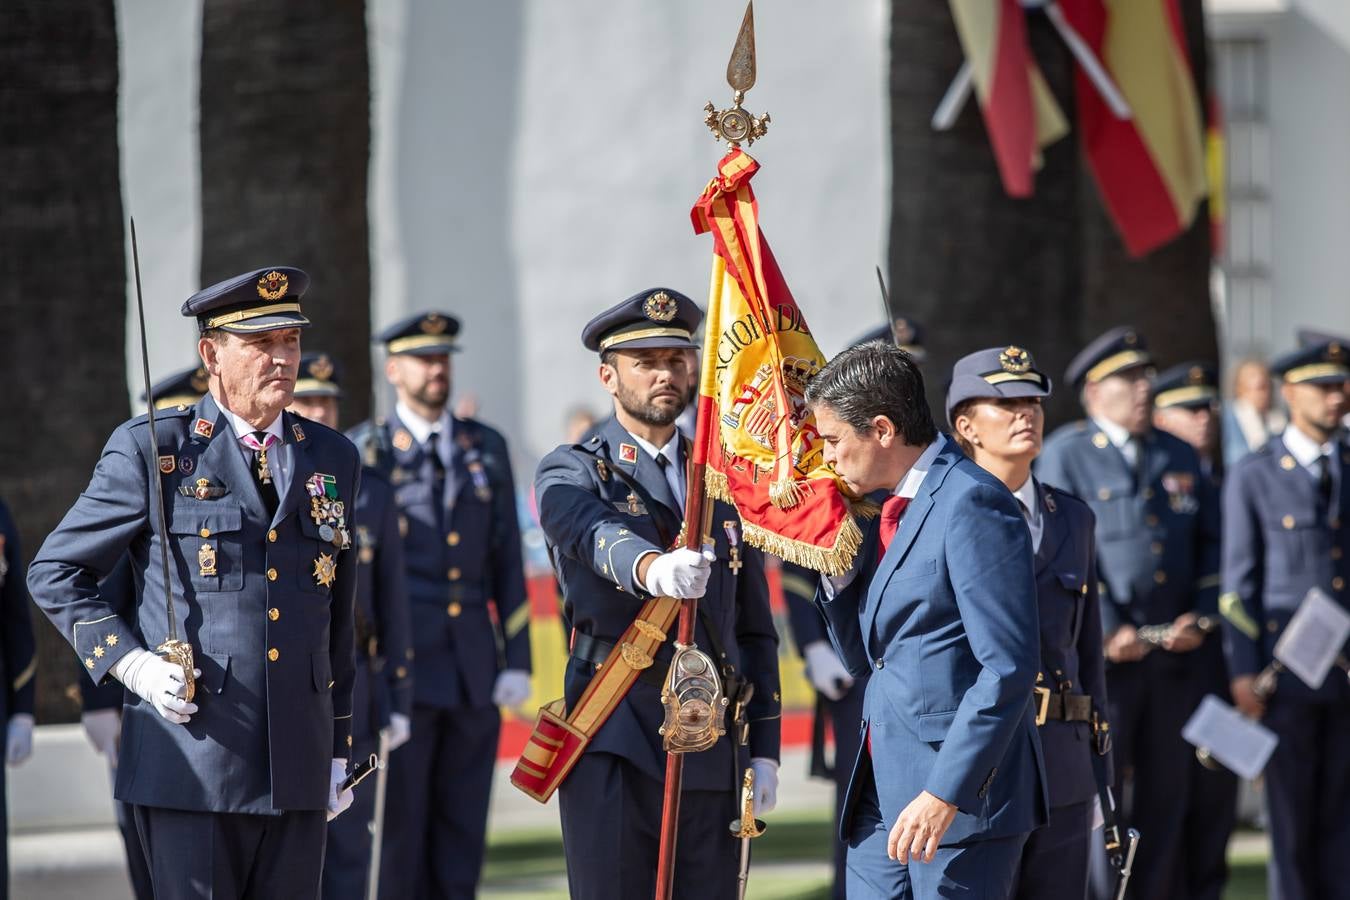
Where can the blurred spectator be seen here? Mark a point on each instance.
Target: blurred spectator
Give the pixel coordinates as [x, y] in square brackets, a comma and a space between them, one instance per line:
[1250, 419]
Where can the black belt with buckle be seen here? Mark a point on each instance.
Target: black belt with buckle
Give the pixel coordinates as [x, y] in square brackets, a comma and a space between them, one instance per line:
[1061, 707]
[596, 650]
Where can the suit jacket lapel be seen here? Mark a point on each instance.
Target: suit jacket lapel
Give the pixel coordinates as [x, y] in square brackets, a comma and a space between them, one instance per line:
[1054, 529]
[298, 465]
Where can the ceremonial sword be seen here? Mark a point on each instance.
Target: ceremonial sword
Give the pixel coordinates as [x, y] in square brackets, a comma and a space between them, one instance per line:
[172, 649]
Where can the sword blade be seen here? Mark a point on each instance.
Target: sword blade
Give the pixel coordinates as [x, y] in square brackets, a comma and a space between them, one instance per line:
[743, 877]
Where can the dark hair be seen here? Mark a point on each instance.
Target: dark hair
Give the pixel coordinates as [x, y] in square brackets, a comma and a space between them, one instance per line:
[964, 408]
[609, 358]
[876, 379]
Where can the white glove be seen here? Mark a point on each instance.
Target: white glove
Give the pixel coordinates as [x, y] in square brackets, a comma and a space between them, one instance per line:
[681, 574]
[826, 672]
[103, 727]
[766, 784]
[338, 803]
[399, 730]
[19, 738]
[158, 681]
[512, 687]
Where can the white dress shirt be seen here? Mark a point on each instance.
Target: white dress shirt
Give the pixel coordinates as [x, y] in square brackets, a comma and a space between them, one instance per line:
[1305, 450]
[278, 460]
[1031, 510]
[674, 472]
[1121, 439]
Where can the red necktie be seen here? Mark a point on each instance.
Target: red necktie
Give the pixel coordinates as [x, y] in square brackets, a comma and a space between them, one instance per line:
[891, 511]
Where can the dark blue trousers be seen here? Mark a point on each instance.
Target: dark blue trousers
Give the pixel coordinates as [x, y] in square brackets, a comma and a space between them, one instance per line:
[436, 805]
[611, 824]
[846, 720]
[1307, 795]
[232, 856]
[1054, 862]
[346, 863]
[977, 870]
[138, 867]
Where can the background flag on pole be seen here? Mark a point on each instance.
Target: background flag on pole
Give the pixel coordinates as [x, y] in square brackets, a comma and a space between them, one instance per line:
[761, 448]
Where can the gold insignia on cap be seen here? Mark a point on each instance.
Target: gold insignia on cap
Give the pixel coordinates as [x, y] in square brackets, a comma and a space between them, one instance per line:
[1196, 375]
[322, 368]
[434, 324]
[273, 285]
[660, 307]
[324, 569]
[1099, 441]
[1334, 350]
[200, 380]
[1131, 339]
[1015, 360]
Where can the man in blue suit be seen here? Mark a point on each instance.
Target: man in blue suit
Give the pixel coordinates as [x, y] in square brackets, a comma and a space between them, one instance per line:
[233, 768]
[611, 508]
[1286, 509]
[940, 606]
[456, 499]
[382, 691]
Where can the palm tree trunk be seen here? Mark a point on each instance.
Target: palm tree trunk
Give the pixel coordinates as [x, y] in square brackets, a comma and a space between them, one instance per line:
[63, 278]
[285, 148]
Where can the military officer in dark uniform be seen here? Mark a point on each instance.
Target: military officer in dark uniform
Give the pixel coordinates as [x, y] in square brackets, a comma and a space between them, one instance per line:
[382, 691]
[1186, 404]
[101, 704]
[457, 500]
[994, 410]
[1157, 545]
[1284, 533]
[232, 769]
[611, 509]
[18, 663]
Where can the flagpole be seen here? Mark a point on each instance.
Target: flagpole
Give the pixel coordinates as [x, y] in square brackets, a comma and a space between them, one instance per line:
[734, 125]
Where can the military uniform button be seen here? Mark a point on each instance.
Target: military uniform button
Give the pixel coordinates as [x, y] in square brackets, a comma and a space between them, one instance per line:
[1336, 553]
[273, 654]
[272, 536]
[1156, 547]
[205, 532]
[1334, 522]
[1160, 577]
[1287, 522]
[881, 664]
[454, 609]
[1272, 626]
[1338, 583]
[1148, 493]
[453, 574]
[349, 740]
[401, 672]
[1151, 520]
[452, 539]
[274, 614]
[271, 574]
[1103, 494]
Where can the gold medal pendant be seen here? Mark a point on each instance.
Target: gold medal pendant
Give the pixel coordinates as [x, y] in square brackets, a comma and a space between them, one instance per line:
[325, 570]
[264, 470]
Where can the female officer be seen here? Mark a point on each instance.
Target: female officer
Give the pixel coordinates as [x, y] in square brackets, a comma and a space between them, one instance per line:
[994, 409]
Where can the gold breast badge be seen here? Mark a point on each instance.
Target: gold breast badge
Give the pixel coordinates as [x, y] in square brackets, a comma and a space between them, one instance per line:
[324, 570]
[206, 560]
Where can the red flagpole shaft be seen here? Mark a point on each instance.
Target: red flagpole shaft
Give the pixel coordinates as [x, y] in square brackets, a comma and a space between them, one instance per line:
[694, 510]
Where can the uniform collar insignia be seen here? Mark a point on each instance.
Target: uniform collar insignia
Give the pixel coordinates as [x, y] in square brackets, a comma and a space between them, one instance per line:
[628, 453]
[203, 428]
[298, 431]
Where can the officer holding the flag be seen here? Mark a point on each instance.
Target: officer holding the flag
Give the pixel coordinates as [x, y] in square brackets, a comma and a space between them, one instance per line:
[612, 509]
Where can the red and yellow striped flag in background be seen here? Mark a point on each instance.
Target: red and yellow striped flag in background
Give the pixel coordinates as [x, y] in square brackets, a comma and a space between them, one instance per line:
[760, 445]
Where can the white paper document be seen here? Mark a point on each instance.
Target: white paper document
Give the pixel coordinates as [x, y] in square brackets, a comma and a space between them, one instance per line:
[1313, 638]
[1241, 745]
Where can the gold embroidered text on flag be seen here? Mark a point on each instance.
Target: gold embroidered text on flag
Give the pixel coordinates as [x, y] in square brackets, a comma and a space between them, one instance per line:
[761, 447]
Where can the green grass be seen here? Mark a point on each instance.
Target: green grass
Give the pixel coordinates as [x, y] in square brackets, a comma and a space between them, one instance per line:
[529, 864]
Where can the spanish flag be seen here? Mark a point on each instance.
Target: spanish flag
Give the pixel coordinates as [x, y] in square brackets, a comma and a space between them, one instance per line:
[1020, 113]
[760, 445]
[1150, 168]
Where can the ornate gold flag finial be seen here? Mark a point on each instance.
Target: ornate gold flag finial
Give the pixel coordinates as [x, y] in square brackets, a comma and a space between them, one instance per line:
[737, 124]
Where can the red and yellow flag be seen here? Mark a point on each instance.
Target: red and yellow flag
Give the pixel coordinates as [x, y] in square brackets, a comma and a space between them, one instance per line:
[762, 451]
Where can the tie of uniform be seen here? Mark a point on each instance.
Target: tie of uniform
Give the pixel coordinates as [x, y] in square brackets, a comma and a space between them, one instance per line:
[433, 454]
[260, 442]
[663, 463]
[891, 511]
[1324, 481]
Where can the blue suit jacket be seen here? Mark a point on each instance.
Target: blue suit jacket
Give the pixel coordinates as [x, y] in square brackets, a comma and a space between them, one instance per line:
[1071, 639]
[947, 625]
[266, 727]
[1277, 545]
[594, 538]
[461, 551]
[18, 657]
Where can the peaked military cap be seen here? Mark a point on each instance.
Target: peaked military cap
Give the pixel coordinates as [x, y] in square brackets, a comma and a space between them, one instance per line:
[1324, 363]
[182, 388]
[1119, 349]
[320, 376]
[1191, 385]
[903, 332]
[1308, 337]
[656, 317]
[257, 301]
[996, 373]
[429, 333]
